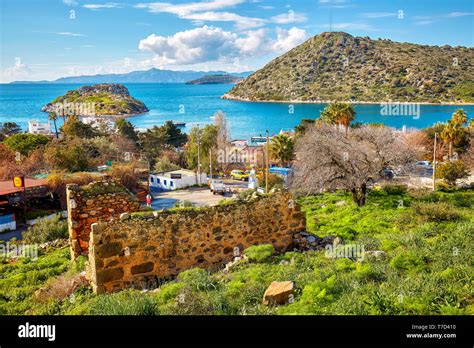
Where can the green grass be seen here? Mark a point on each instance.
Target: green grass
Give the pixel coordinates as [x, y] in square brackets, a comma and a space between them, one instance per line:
[428, 269]
[20, 279]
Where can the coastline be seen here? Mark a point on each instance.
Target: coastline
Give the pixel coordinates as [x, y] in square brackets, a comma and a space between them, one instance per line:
[296, 101]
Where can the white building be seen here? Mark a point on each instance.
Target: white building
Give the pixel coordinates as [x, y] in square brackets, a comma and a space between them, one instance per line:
[176, 179]
[35, 127]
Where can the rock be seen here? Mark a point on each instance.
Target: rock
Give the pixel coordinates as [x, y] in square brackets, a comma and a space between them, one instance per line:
[341, 203]
[376, 255]
[311, 239]
[124, 216]
[278, 293]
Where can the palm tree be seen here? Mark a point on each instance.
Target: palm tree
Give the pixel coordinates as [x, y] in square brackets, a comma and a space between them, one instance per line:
[459, 117]
[282, 148]
[451, 133]
[53, 117]
[339, 113]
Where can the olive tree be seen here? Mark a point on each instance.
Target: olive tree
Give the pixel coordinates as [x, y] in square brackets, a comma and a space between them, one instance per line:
[328, 158]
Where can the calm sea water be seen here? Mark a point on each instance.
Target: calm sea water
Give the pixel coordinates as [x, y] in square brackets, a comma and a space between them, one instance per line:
[195, 104]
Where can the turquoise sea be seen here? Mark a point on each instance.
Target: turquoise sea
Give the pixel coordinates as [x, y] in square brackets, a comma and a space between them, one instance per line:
[195, 104]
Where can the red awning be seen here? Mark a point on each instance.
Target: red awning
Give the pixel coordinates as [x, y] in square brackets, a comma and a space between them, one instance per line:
[6, 187]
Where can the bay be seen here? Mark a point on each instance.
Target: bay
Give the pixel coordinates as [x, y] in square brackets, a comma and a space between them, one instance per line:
[196, 104]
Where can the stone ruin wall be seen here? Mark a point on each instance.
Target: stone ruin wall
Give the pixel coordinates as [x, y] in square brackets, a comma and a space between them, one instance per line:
[141, 250]
[97, 201]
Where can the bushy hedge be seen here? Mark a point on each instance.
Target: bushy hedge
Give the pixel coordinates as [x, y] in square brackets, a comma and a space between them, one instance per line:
[46, 230]
[259, 253]
[436, 212]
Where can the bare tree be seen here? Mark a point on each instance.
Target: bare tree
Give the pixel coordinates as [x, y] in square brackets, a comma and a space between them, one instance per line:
[223, 135]
[328, 159]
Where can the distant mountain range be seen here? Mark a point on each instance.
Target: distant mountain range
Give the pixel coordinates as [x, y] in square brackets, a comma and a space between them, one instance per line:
[149, 76]
[339, 67]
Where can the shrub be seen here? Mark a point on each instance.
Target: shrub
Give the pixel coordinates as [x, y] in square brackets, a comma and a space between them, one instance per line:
[452, 171]
[436, 212]
[25, 142]
[345, 265]
[259, 253]
[245, 195]
[46, 230]
[407, 261]
[393, 189]
[168, 293]
[127, 302]
[125, 174]
[197, 278]
[443, 186]
[183, 204]
[164, 164]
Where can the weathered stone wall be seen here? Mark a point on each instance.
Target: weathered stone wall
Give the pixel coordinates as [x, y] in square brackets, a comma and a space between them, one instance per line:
[97, 201]
[137, 251]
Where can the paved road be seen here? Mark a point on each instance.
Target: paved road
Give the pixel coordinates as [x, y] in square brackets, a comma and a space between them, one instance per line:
[197, 196]
[9, 235]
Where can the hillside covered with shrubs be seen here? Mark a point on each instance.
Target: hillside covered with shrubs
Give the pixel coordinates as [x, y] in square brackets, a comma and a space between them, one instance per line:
[339, 67]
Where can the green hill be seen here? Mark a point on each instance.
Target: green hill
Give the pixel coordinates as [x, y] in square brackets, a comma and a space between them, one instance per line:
[101, 100]
[340, 67]
[215, 80]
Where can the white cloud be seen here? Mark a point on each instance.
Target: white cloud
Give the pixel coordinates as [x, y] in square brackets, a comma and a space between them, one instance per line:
[191, 46]
[18, 71]
[67, 33]
[210, 44]
[288, 39]
[206, 11]
[334, 3]
[102, 6]
[241, 21]
[253, 42]
[373, 15]
[459, 14]
[290, 17]
[188, 8]
[70, 2]
[424, 22]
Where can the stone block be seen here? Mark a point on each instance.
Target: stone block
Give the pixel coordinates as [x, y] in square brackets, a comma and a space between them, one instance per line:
[108, 275]
[109, 249]
[278, 293]
[145, 267]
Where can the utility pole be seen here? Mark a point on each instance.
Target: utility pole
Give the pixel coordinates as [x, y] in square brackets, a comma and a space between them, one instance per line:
[199, 154]
[266, 165]
[434, 161]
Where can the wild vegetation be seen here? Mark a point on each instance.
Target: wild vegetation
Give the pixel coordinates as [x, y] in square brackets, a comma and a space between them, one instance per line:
[427, 238]
[339, 67]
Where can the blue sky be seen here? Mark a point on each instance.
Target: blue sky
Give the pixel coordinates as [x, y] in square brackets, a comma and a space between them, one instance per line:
[47, 39]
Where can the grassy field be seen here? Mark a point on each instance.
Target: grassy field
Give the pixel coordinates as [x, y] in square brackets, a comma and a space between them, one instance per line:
[428, 239]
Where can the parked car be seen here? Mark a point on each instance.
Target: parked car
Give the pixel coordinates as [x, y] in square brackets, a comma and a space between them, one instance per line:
[217, 186]
[387, 174]
[239, 175]
[423, 165]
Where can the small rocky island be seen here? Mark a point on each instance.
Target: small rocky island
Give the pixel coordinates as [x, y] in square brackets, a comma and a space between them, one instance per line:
[98, 100]
[216, 80]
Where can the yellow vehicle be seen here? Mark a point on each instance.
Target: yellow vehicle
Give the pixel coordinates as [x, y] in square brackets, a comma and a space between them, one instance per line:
[239, 175]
